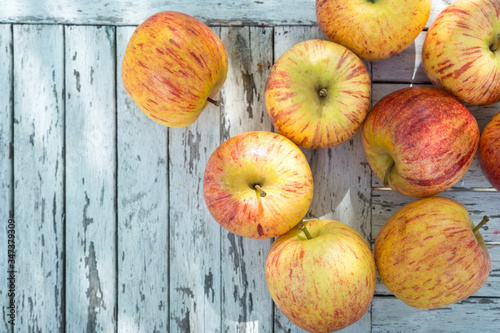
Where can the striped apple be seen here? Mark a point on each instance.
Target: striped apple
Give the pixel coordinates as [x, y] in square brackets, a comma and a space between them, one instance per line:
[321, 275]
[461, 51]
[173, 67]
[420, 141]
[318, 94]
[430, 254]
[258, 184]
[373, 29]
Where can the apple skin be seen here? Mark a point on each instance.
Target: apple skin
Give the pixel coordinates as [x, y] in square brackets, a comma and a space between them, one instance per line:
[374, 30]
[294, 89]
[428, 256]
[173, 63]
[456, 54]
[269, 160]
[325, 283]
[489, 151]
[420, 140]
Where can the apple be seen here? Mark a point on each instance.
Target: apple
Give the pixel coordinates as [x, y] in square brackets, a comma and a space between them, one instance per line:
[489, 151]
[461, 51]
[321, 275]
[420, 140]
[258, 184]
[373, 29]
[318, 94]
[429, 254]
[173, 67]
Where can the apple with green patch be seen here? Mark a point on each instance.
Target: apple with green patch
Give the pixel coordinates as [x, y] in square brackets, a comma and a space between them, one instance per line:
[321, 275]
[461, 51]
[430, 254]
[258, 184]
[173, 67]
[318, 94]
[373, 29]
[489, 151]
[420, 141]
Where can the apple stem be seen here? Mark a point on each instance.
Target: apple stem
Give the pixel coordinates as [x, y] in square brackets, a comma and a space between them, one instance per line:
[322, 92]
[213, 101]
[304, 229]
[483, 222]
[495, 46]
[260, 190]
[387, 172]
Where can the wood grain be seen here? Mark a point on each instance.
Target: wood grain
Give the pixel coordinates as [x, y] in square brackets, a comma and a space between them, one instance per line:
[38, 170]
[142, 205]
[6, 186]
[90, 179]
[127, 12]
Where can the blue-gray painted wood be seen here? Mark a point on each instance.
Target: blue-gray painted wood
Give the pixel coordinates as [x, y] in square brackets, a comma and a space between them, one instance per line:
[127, 12]
[38, 170]
[90, 179]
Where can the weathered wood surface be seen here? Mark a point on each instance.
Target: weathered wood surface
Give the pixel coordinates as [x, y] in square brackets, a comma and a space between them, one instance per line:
[39, 176]
[112, 230]
[90, 178]
[127, 12]
[468, 316]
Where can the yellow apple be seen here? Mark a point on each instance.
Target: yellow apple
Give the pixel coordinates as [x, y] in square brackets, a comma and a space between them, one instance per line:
[429, 253]
[173, 67]
[461, 51]
[321, 275]
[318, 94]
[258, 184]
[373, 29]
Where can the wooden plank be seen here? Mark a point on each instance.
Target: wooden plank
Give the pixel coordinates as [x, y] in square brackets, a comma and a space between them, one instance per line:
[127, 12]
[38, 168]
[470, 315]
[142, 213]
[338, 195]
[474, 178]
[195, 266]
[6, 186]
[246, 303]
[90, 179]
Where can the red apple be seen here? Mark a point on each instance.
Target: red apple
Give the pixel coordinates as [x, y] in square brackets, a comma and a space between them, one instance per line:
[318, 94]
[373, 29]
[429, 254]
[322, 279]
[489, 151]
[258, 184]
[461, 51]
[173, 67]
[420, 141]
